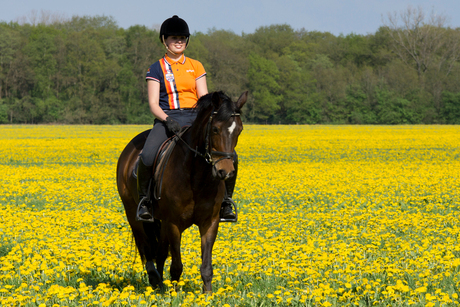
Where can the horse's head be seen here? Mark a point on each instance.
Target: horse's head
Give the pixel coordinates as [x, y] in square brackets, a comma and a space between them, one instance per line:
[222, 126]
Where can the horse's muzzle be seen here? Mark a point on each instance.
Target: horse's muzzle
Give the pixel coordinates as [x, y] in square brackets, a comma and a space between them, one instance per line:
[224, 169]
[223, 175]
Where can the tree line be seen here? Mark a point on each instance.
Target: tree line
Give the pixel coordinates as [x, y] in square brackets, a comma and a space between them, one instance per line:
[88, 70]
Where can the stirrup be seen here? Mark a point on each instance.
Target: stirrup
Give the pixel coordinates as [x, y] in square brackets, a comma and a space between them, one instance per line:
[138, 218]
[232, 203]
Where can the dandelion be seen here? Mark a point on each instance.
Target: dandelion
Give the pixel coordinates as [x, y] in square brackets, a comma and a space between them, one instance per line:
[421, 290]
[351, 214]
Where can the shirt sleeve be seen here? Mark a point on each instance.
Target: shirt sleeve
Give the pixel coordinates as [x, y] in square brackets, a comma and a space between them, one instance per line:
[199, 70]
[153, 73]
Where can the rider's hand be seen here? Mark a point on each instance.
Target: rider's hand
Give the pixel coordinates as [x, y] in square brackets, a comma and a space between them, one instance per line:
[172, 125]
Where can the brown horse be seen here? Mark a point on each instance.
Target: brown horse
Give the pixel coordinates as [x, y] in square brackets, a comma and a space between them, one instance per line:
[192, 187]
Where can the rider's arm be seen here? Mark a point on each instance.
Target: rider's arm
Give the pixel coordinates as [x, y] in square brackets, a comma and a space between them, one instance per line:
[153, 88]
[201, 87]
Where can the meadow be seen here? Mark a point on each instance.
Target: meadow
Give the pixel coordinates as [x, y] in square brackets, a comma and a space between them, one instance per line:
[328, 216]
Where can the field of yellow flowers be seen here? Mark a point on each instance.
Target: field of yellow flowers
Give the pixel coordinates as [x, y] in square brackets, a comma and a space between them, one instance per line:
[328, 216]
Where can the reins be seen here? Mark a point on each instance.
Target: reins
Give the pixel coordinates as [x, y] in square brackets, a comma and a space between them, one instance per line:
[207, 156]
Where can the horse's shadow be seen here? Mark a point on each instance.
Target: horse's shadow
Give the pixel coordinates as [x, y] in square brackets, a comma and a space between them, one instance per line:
[133, 280]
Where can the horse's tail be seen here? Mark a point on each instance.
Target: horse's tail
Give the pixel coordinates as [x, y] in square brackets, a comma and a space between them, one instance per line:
[146, 237]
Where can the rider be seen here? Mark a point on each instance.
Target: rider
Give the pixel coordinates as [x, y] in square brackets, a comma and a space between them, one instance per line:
[174, 84]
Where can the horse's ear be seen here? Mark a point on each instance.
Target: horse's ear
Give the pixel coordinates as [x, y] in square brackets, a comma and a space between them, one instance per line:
[216, 101]
[242, 100]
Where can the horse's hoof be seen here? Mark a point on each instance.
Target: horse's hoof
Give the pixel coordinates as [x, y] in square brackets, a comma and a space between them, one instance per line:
[155, 279]
[206, 291]
[156, 282]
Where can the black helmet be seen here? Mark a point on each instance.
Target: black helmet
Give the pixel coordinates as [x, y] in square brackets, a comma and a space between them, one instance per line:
[174, 26]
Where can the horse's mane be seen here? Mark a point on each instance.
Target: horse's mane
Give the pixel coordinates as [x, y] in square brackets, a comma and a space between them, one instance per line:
[205, 106]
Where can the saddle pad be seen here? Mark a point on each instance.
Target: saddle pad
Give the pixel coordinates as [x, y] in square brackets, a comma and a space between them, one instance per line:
[160, 162]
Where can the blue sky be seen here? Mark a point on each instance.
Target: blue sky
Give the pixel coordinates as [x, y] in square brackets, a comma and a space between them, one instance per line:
[238, 16]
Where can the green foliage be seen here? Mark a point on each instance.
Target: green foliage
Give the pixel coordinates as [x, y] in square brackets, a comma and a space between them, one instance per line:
[360, 111]
[3, 112]
[263, 76]
[392, 109]
[87, 70]
[451, 109]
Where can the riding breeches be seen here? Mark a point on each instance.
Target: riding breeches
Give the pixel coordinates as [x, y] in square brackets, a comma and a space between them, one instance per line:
[160, 133]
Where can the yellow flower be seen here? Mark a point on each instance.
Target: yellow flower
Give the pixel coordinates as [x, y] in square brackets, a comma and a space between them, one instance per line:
[338, 203]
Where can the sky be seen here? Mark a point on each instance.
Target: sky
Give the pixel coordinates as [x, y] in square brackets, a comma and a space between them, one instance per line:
[239, 16]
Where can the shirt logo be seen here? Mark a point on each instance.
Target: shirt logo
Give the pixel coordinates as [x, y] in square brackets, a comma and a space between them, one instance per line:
[190, 70]
[170, 77]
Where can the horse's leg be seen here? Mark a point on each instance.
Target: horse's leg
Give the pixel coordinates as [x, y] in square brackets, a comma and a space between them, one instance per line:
[155, 279]
[153, 231]
[174, 236]
[208, 237]
[163, 249]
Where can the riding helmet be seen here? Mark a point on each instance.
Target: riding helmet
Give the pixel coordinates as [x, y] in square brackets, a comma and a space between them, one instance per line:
[174, 26]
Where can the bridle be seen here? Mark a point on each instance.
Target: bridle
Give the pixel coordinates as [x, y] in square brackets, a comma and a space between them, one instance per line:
[208, 151]
[207, 155]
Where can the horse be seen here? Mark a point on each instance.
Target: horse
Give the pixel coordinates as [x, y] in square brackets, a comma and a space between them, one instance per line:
[192, 188]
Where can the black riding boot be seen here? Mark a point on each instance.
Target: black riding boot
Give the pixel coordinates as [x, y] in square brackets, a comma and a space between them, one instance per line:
[226, 210]
[144, 176]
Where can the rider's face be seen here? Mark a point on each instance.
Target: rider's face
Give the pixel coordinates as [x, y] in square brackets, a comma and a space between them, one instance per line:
[176, 43]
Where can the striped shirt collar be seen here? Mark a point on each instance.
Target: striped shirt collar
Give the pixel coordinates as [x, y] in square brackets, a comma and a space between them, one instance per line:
[170, 61]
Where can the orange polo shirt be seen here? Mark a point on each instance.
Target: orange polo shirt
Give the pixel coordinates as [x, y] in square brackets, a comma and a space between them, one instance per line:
[177, 81]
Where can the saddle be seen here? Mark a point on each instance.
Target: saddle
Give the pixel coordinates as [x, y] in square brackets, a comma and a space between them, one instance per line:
[160, 162]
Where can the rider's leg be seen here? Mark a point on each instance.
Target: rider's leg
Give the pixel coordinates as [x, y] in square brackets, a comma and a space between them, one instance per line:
[144, 175]
[145, 170]
[226, 210]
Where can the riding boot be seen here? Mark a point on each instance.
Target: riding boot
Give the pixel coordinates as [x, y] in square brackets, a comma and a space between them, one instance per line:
[226, 209]
[144, 179]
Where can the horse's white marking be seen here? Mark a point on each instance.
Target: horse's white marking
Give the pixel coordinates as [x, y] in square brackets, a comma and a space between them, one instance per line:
[231, 128]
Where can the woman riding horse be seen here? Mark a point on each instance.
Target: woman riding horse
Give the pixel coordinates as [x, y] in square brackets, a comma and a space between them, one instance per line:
[193, 176]
[174, 84]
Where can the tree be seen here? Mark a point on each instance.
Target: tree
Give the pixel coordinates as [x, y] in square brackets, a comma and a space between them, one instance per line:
[271, 41]
[3, 112]
[84, 69]
[263, 75]
[9, 44]
[143, 48]
[423, 42]
[392, 109]
[451, 108]
[224, 56]
[89, 70]
[330, 87]
[359, 110]
[41, 52]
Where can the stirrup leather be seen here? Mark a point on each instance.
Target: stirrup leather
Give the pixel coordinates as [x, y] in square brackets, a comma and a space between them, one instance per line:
[232, 203]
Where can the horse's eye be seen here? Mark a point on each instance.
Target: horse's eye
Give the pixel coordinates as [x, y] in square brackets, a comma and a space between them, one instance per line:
[215, 130]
